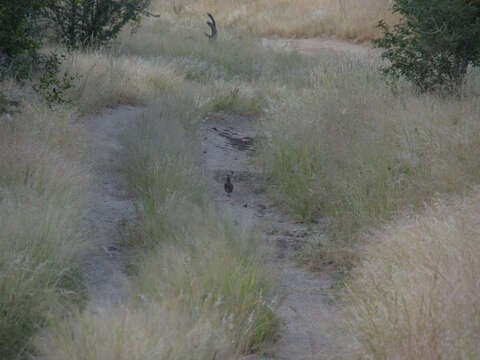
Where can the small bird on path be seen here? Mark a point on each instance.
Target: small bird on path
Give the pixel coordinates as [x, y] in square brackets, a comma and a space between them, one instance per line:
[228, 186]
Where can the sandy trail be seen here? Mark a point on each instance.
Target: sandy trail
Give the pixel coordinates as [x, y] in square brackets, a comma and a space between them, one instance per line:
[317, 46]
[110, 210]
[305, 312]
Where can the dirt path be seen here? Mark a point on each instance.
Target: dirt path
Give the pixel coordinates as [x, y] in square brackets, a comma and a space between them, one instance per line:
[110, 210]
[315, 46]
[305, 310]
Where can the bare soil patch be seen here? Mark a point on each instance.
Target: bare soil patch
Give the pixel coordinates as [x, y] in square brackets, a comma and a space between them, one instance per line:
[319, 45]
[111, 210]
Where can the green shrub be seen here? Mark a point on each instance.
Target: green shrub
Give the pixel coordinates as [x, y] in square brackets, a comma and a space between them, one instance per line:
[53, 87]
[19, 39]
[434, 43]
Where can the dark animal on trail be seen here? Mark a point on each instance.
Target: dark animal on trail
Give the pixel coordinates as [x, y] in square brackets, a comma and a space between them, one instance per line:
[213, 27]
[228, 186]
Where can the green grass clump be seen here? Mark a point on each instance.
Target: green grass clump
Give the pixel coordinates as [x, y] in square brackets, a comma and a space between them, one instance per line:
[236, 102]
[159, 163]
[214, 267]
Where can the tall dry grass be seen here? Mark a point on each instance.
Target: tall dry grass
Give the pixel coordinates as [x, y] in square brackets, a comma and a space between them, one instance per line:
[108, 79]
[415, 294]
[346, 19]
[43, 175]
[351, 149]
[131, 333]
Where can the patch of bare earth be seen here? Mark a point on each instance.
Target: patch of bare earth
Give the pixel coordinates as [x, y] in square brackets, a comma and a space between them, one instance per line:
[305, 309]
[316, 46]
[110, 210]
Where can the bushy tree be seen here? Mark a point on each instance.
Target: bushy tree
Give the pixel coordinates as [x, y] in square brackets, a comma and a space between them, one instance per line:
[434, 43]
[82, 23]
[19, 32]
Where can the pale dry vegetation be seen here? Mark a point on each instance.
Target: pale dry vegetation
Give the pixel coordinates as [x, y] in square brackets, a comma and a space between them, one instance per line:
[108, 79]
[346, 19]
[350, 149]
[42, 180]
[416, 295]
[130, 333]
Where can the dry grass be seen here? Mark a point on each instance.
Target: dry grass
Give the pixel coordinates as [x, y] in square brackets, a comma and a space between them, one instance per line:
[109, 79]
[416, 294]
[346, 19]
[351, 149]
[130, 333]
[42, 181]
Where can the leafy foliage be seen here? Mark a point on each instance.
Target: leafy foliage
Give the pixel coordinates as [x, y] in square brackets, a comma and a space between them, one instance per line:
[433, 44]
[82, 23]
[16, 26]
[52, 87]
[19, 35]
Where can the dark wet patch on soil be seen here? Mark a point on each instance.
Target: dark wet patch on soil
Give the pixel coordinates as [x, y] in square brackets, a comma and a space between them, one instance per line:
[237, 141]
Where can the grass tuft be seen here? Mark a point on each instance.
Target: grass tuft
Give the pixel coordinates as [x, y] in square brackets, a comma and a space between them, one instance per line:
[42, 181]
